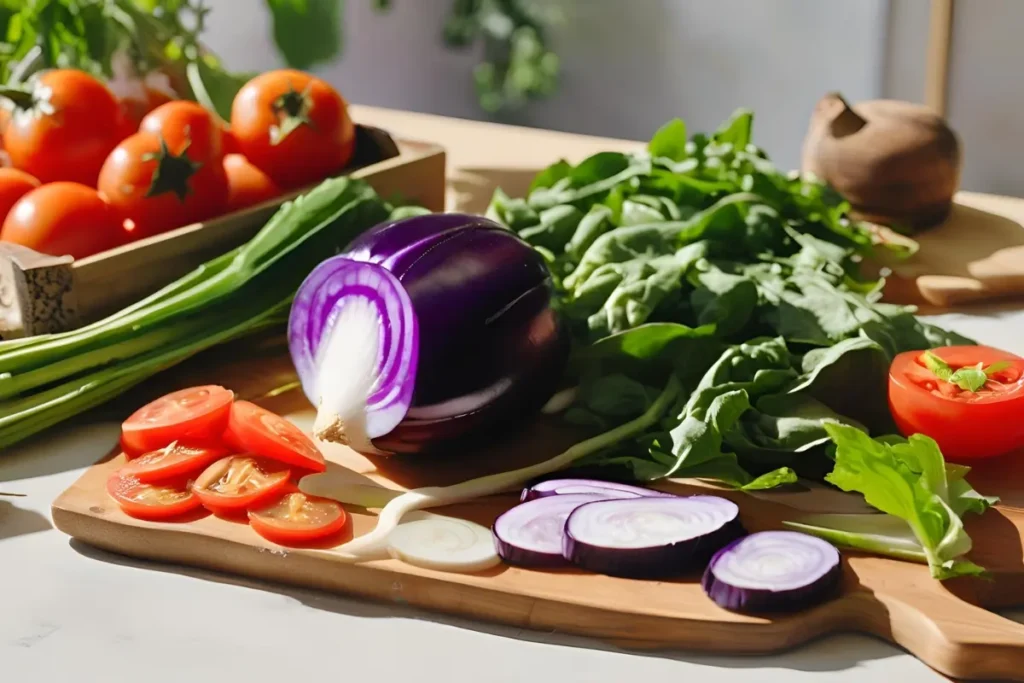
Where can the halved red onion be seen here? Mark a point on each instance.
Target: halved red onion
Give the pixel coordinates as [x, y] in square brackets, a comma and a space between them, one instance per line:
[649, 537]
[557, 487]
[489, 347]
[530, 534]
[355, 321]
[773, 571]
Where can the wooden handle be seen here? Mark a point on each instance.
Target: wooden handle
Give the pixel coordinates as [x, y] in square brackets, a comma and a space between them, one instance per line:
[36, 292]
[950, 635]
[940, 28]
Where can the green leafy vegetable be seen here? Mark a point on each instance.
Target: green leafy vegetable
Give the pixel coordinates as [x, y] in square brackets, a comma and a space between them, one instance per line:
[907, 480]
[165, 35]
[937, 366]
[670, 141]
[307, 32]
[214, 88]
[698, 258]
[968, 378]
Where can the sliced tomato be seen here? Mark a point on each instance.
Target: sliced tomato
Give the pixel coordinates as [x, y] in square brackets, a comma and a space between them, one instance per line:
[298, 518]
[238, 481]
[151, 501]
[256, 430]
[196, 415]
[172, 461]
[966, 424]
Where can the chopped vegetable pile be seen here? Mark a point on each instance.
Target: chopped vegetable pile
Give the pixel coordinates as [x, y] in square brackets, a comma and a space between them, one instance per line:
[198, 449]
[722, 329]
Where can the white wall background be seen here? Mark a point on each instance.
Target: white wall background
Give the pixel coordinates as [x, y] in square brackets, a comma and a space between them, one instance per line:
[630, 65]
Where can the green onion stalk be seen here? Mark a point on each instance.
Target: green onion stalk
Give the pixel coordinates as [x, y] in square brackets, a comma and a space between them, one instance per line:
[47, 379]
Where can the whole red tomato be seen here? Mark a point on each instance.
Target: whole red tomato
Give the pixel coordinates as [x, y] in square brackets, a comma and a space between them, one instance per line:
[157, 189]
[247, 185]
[14, 185]
[966, 424]
[64, 218]
[64, 128]
[186, 125]
[293, 126]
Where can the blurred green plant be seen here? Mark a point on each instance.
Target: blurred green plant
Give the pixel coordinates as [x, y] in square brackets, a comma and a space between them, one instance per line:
[164, 36]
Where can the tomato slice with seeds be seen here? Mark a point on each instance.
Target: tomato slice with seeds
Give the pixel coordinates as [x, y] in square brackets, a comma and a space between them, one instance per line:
[196, 415]
[256, 430]
[966, 424]
[171, 461]
[151, 501]
[298, 518]
[238, 481]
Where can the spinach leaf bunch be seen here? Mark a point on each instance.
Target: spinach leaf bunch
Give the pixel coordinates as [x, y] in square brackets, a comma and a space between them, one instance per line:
[699, 258]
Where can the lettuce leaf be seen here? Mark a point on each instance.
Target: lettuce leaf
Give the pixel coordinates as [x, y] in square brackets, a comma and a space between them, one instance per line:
[922, 498]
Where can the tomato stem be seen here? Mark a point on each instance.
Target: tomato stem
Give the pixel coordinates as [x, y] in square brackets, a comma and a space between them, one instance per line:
[21, 98]
[173, 171]
[292, 110]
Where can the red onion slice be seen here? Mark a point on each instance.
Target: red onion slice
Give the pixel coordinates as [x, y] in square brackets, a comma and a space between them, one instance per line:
[354, 338]
[530, 534]
[557, 487]
[649, 537]
[773, 571]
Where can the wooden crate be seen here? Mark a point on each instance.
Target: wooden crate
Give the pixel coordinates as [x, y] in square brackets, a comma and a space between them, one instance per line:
[40, 294]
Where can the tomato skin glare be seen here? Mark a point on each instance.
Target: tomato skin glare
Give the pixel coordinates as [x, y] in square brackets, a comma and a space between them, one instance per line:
[967, 425]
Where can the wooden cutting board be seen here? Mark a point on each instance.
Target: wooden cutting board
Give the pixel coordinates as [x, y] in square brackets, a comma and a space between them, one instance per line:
[945, 625]
[976, 255]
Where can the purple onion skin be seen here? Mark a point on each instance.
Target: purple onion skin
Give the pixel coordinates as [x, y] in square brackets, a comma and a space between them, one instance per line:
[523, 557]
[482, 297]
[760, 601]
[517, 557]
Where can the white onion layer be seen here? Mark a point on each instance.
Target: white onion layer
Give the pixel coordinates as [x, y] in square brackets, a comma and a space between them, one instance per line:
[445, 544]
[650, 522]
[776, 561]
[538, 526]
[346, 370]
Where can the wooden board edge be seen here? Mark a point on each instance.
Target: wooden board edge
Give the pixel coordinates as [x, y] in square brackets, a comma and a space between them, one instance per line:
[433, 593]
[936, 626]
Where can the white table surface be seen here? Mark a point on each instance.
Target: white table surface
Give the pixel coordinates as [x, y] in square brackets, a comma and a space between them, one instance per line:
[70, 613]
